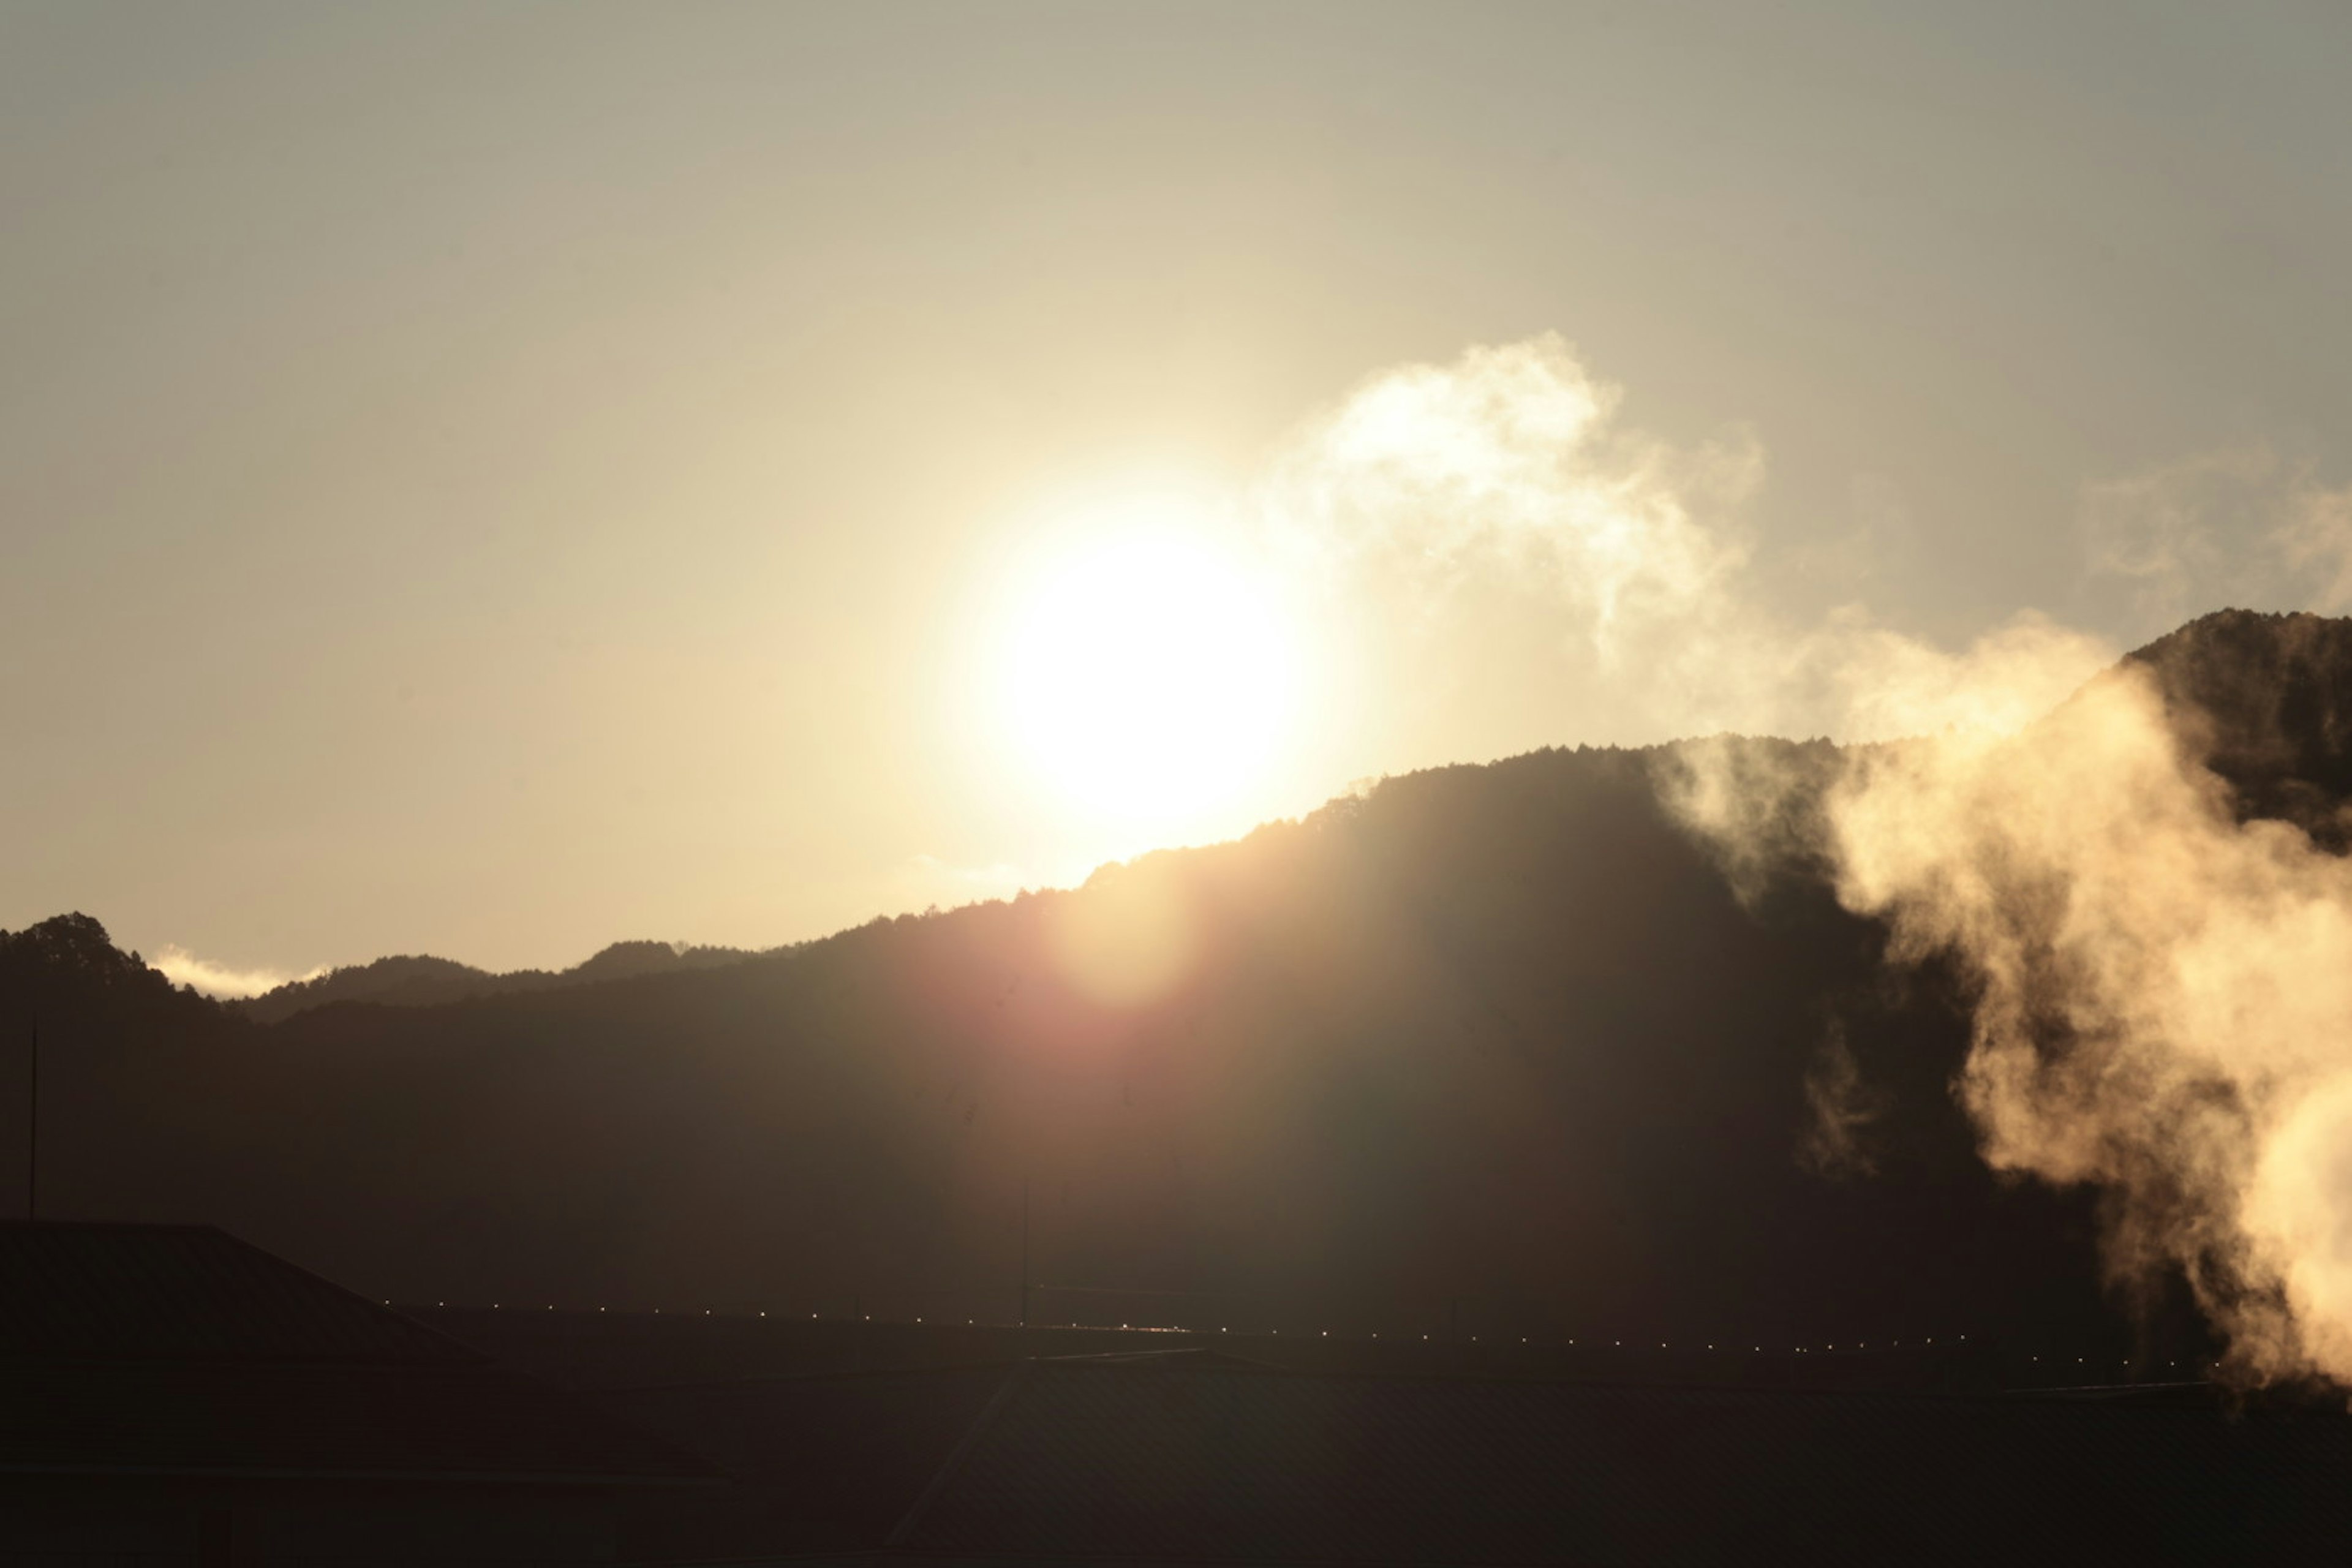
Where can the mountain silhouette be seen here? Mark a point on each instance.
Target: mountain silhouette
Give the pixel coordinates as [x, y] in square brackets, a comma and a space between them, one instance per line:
[421, 981]
[1486, 1045]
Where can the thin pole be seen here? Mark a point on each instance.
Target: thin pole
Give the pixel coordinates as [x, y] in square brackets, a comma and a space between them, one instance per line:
[1024, 1254]
[32, 1133]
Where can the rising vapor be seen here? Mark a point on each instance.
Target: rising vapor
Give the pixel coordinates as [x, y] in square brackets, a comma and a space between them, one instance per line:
[181, 967]
[2162, 996]
[2163, 1006]
[1506, 482]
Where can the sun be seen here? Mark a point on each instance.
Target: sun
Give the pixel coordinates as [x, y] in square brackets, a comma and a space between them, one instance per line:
[1149, 671]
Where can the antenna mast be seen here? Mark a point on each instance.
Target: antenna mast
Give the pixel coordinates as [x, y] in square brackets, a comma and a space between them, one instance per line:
[32, 1133]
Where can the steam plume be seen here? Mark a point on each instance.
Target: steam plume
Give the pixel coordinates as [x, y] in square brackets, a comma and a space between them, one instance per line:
[2162, 996]
[1459, 497]
[2163, 1001]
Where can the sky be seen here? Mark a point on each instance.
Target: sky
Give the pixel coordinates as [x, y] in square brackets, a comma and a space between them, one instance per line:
[499, 480]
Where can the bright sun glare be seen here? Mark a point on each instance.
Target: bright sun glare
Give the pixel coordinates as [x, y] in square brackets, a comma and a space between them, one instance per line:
[1149, 674]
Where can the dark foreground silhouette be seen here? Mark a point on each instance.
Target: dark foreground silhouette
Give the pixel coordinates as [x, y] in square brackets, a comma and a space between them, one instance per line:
[173, 1397]
[1198, 1457]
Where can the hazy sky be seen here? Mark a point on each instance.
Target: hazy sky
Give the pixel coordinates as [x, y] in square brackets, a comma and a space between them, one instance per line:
[495, 479]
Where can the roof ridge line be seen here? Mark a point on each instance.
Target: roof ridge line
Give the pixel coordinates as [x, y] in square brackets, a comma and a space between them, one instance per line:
[379, 1308]
[905, 1529]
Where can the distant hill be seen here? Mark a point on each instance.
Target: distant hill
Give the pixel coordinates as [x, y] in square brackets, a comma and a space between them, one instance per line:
[65, 968]
[2269, 698]
[426, 982]
[1487, 1047]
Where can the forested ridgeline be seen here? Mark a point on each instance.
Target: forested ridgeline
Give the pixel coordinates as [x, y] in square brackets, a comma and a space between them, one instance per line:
[1499, 1035]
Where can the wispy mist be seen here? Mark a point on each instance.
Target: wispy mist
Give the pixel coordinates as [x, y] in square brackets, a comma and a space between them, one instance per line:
[1506, 486]
[184, 968]
[2161, 991]
[2238, 525]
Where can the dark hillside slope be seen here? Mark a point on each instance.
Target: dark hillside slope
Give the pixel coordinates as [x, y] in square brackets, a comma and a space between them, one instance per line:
[1496, 1034]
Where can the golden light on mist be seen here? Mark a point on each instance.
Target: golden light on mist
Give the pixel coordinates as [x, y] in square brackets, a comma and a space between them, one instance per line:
[2297, 1209]
[1147, 674]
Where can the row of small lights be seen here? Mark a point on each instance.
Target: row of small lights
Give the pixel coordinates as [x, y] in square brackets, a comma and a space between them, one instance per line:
[1325, 1333]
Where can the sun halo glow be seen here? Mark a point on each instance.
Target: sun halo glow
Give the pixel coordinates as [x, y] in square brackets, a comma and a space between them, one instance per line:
[1147, 675]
